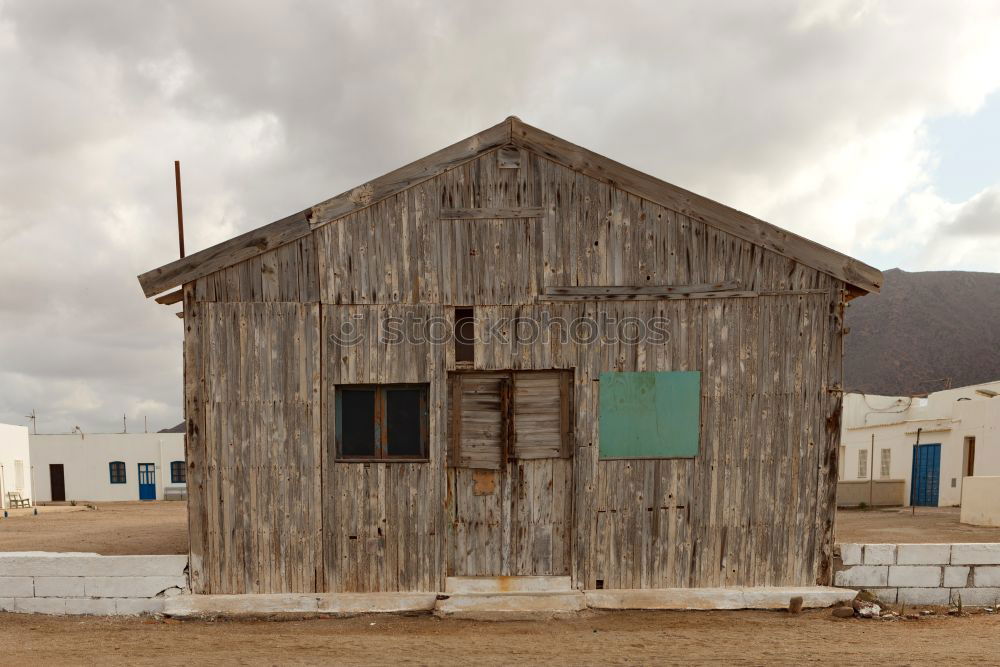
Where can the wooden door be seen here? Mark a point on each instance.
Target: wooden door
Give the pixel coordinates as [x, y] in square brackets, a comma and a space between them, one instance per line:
[57, 481]
[925, 476]
[510, 473]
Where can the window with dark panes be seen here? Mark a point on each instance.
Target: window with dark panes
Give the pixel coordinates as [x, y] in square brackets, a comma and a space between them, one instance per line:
[178, 474]
[465, 335]
[381, 422]
[117, 472]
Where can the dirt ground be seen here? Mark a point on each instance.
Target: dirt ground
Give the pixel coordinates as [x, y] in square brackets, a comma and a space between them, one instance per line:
[740, 638]
[157, 527]
[900, 525]
[160, 527]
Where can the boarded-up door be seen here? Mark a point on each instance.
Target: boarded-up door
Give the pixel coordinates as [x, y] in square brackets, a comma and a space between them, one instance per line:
[510, 473]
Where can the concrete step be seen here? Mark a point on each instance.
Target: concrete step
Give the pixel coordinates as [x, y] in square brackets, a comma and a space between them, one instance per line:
[268, 604]
[510, 606]
[763, 597]
[507, 584]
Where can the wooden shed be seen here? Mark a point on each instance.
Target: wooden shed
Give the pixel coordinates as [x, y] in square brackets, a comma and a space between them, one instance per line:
[512, 357]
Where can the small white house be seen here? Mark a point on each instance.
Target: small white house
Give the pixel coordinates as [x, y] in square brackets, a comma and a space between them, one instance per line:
[108, 466]
[936, 440]
[15, 463]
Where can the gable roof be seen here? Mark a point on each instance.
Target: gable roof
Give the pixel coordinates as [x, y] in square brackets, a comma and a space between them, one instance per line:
[513, 131]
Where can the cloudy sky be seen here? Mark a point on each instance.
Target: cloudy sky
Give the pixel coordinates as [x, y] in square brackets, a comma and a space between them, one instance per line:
[872, 127]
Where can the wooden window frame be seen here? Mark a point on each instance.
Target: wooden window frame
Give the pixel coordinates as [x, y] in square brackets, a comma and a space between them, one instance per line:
[120, 465]
[380, 426]
[173, 476]
[508, 440]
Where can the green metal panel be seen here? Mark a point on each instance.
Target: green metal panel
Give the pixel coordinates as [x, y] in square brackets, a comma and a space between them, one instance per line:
[650, 415]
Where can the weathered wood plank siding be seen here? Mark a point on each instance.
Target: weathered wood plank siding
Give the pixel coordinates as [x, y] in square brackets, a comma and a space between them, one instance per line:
[755, 507]
[253, 410]
[383, 520]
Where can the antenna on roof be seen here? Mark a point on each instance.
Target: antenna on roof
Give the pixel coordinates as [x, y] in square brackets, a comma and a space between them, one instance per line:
[180, 207]
[34, 422]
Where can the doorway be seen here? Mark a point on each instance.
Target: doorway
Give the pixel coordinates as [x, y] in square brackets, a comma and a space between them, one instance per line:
[510, 474]
[147, 481]
[925, 476]
[970, 456]
[57, 482]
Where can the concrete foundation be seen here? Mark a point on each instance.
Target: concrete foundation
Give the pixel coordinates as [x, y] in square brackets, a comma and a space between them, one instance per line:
[503, 606]
[717, 598]
[335, 604]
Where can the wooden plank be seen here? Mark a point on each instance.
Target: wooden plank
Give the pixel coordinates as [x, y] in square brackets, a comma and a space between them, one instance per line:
[699, 208]
[455, 450]
[609, 293]
[171, 297]
[641, 290]
[508, 157]
[644, 290]
[491, 213]
[225, 254]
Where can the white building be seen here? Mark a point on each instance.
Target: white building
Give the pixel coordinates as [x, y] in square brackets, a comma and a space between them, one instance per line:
[108, 466]
[939, 439]
[15, 463]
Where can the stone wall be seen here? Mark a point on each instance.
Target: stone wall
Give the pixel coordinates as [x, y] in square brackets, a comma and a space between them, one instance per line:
[85, 583]
[931, 574]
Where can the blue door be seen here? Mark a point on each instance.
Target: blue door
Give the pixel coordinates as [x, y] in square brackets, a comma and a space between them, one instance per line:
[925, 475]
[147, 481]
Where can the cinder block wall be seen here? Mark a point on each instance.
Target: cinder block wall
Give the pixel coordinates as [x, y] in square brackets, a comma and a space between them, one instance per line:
[933, 574]
[74, 583]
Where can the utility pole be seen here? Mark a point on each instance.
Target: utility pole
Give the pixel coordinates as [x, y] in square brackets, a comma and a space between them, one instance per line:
[180, 207]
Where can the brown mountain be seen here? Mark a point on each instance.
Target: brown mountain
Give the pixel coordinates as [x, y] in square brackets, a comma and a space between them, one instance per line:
[924, 331]
[173, 429]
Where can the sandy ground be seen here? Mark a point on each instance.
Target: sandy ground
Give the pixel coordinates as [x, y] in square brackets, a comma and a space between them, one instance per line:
[161, 528]
[738, 638]
[157, 527]
[927, 524]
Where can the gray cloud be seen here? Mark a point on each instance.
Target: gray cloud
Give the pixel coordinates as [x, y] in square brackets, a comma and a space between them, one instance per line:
[806, 114]
[979, 217]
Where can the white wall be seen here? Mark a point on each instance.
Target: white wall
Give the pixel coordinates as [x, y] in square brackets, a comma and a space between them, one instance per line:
[981, 501]
[13, 449]
[85, 462]
[944, 417]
